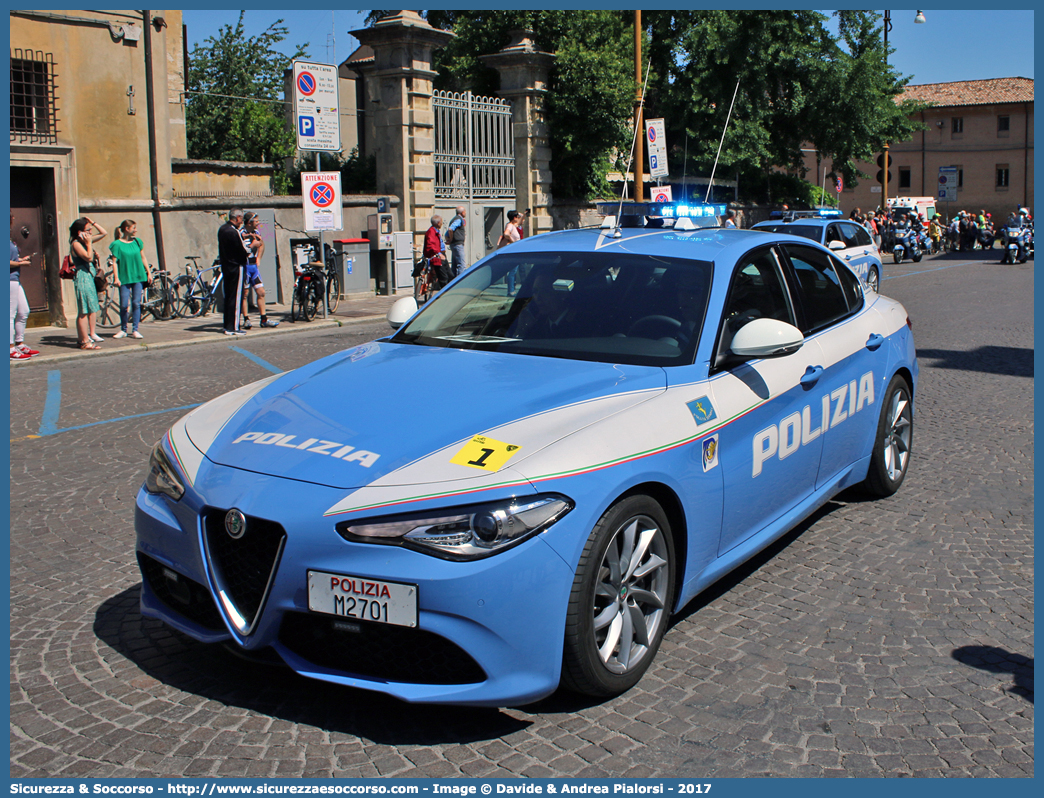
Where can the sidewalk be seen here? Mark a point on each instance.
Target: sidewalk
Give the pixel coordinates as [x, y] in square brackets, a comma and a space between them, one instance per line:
[57, 344]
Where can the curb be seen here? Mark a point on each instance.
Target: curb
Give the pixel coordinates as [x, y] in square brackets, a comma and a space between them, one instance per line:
[204, 338]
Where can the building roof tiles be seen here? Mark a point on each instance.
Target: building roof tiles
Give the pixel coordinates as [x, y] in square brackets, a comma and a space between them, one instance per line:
[972, 92]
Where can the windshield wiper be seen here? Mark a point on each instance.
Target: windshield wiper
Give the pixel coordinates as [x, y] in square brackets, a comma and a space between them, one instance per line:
[479, 339]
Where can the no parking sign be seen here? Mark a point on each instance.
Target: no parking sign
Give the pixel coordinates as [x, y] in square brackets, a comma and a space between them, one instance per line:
[321, 192]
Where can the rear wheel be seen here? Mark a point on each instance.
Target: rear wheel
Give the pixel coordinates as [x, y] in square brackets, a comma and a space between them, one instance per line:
[873, 280]
[186, 297]
[312, 301]
[109, 303]
[892, 447]
[621, 599]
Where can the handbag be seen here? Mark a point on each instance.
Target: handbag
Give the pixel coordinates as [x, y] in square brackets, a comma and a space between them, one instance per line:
[67, 271]
[99, 276]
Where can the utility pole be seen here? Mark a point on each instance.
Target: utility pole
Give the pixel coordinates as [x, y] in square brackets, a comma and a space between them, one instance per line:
[639, 152]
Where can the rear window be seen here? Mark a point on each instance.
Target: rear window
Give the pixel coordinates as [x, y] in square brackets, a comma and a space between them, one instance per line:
[809, 231]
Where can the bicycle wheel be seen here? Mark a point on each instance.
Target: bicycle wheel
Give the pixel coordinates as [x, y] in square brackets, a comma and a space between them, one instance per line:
[333, 291]
[424, 286]
[164, 308]
[109, 303]
[187, 297]
[313, 300]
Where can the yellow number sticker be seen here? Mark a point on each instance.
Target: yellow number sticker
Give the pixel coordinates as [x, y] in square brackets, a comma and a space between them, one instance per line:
[485, 453]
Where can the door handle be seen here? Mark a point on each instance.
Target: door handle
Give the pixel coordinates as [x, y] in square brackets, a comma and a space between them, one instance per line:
[811, 376]
[874, 342]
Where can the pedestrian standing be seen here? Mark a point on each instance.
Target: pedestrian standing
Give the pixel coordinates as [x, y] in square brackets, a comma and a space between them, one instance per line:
[81, 244]
[131, 273]
[19, 304]
[730, 219]
[512, 233]
[255, 249]
[456, 234]
[232, 254]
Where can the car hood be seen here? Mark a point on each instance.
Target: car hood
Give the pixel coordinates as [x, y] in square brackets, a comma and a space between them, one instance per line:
[381, 411]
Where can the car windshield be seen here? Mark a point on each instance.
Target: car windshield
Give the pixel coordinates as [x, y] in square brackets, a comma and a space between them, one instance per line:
[611, 308]
[809, 231]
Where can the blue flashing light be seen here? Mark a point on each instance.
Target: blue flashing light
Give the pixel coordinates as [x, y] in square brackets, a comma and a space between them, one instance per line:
[665, 210]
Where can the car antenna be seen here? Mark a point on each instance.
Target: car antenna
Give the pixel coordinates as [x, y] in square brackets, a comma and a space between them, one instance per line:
[727, 119]
[630, 156]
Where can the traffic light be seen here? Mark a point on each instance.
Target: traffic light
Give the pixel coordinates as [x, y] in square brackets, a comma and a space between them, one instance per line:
[881, 176]
[881, 161]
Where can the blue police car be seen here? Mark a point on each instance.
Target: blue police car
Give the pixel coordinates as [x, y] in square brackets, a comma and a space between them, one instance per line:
[848, 240]
[517, 489]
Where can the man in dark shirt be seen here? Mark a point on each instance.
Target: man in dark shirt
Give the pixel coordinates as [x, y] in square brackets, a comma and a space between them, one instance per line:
[232, 253]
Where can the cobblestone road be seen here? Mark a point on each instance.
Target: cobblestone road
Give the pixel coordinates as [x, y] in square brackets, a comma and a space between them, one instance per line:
[887, 638]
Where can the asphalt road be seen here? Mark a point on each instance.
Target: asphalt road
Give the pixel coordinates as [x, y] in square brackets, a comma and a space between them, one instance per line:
[881, 638]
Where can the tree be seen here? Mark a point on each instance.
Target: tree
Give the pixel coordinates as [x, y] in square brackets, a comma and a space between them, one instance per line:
[591, 84]
[798, 86]
[235, 110]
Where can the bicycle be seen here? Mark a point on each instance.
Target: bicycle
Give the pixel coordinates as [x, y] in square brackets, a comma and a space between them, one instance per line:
[109, 302]
[333, 282]
[156, 298]
[307, 296]
[425, 282]
[192, 294]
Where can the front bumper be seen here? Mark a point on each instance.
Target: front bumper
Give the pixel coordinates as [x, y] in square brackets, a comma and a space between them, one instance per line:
[489, 632]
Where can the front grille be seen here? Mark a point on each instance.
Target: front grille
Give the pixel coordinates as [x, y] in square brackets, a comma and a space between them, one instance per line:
[392, 653]
[243, 568]
[184, 596]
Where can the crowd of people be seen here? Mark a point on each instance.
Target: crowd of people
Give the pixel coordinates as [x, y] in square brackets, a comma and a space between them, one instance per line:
[965, 232]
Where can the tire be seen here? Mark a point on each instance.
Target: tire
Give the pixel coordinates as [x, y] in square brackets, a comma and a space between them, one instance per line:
[333, 291]
[313, 300]
[164, 309]
[187, 299]
[897, 257]
[873, 280]
[295, 301]
[109, 304]
[917, 258]
[613, 604]
[890, 460]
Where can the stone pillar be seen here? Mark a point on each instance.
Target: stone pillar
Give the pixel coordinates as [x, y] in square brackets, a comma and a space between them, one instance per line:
[404, 123]
[523, 80]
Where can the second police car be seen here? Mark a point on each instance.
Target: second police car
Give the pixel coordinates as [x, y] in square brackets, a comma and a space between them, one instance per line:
[516, 490]
[848, 240]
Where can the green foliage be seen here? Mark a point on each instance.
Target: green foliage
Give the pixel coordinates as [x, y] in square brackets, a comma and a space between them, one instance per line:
[358, 173]
[232, 116]
[798, 193]
[591, 85]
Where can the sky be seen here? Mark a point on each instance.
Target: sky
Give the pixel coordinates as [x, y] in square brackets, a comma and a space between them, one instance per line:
[948, 46]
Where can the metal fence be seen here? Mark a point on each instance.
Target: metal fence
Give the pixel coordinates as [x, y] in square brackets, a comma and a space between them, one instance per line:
[474, 147]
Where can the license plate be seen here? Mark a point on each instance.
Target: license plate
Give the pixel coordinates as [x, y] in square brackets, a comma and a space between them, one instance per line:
[362, 599]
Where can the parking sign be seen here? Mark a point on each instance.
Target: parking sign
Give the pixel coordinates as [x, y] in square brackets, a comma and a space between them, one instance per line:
[316, 107]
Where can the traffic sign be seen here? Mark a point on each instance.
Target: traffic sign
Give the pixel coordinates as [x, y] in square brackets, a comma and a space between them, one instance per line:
[321, 192]
[839, 184]
[947, 191]
[656, 139]
[662, 194]
[317, 107]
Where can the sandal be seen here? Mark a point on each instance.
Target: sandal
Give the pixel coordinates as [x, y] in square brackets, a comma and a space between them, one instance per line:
[89, 345]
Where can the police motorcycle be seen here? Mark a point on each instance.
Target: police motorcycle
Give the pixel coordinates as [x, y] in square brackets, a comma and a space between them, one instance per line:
[1018, 244]
[907, 244]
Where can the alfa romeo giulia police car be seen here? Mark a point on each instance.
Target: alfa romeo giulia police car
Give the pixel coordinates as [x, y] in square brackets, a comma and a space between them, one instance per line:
[517, 490]
[848, 240]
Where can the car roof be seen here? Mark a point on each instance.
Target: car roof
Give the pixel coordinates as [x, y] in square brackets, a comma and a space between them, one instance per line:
[808, 220]
[703, 243]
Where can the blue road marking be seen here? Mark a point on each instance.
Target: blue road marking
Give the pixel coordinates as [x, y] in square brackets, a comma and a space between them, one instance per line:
[256, 359]
[53, 406]
[937, 269]
[53, 403]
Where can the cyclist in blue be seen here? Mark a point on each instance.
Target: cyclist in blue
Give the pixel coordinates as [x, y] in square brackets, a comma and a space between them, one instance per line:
[255, 248]
[232, 253]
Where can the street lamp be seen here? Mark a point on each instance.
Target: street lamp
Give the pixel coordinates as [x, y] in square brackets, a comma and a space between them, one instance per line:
[885, 163]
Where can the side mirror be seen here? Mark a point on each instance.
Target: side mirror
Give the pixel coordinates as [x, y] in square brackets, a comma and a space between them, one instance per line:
[401, 312]
[836, 245]
[766, 338]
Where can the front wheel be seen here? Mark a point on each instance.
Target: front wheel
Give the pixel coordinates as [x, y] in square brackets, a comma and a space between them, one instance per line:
[621, 599]
[916, 257]
[109, 303]
[893, 445]
[186, 298]
[333, 292]
[897, 256]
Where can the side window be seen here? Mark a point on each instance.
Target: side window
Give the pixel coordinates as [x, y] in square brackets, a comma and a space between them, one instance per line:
[833, 233]
[822, 294]
[758, 291]
[850, 284]
[850, 231]
[862, 236]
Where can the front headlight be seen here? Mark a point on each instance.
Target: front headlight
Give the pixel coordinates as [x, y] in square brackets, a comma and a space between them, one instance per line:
[463, 533]
[162, 476]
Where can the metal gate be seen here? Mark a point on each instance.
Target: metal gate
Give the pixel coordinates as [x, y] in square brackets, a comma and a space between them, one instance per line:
[474, 147]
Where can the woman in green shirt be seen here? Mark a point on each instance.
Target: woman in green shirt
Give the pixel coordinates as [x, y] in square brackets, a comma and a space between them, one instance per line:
[131, 274]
